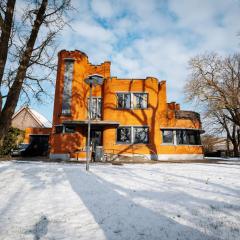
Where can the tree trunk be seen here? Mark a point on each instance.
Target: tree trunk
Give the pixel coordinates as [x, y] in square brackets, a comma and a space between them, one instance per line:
[236, 149]
[4, 40]
[15, 90]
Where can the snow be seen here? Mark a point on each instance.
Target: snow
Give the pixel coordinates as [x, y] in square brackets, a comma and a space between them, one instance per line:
[147, 201]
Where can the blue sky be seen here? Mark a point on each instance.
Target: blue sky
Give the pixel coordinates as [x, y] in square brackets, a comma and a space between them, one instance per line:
[151, 37]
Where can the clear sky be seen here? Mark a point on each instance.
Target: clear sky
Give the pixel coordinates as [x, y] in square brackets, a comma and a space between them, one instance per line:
[151, 37]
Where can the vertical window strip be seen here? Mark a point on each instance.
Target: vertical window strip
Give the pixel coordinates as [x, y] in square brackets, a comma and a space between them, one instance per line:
[67, 87]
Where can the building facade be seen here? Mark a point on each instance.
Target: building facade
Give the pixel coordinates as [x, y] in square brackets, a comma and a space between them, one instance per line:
[130, 117]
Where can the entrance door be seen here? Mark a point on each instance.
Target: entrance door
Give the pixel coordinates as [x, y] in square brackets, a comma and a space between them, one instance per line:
[96, 138]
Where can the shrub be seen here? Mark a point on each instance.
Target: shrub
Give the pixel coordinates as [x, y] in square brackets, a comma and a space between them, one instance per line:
[13, 138]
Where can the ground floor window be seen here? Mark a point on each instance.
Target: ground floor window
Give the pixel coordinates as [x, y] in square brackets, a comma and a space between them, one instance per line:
[132, 134]
[124, 135]
[167, 136]
[181, 137]
[64, 129]
[140, 134]
[189, 137]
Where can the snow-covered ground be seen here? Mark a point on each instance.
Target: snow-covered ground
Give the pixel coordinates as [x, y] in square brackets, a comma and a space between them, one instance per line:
[158, 201]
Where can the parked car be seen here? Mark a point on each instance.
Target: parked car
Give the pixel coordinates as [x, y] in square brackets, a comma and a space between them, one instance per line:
[18, 151]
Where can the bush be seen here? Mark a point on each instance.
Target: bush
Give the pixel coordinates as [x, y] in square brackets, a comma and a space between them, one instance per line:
[13, 138]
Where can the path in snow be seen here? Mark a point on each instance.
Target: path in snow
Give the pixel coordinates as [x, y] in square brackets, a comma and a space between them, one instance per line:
[160, 201]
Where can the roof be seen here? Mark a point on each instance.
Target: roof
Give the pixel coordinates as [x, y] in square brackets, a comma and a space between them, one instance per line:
[36, 115]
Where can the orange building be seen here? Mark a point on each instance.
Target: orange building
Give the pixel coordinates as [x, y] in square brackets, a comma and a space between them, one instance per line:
[130, 117]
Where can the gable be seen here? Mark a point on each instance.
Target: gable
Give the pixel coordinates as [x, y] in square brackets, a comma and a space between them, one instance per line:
[23, 119]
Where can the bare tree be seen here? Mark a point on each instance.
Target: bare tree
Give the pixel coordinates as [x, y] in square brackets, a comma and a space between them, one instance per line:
[27, 51]
[214, 85]
[208, 142]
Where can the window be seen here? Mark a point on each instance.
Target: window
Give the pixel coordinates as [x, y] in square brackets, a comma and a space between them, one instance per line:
[140, 134]
[124, 100]
[58, 129]
[188, 137]
[167, 136]
[132, 100]
[131, 135]
[96, 112]
[140, 100]
[124, 135]
[64, 129]
[69, 129]
[67, 87]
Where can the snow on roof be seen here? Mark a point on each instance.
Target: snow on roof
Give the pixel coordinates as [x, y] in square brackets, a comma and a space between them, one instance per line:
[45, 122]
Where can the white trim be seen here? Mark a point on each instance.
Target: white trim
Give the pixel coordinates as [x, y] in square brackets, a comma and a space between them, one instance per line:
[180, 157]
[59, 156]
[167, 157]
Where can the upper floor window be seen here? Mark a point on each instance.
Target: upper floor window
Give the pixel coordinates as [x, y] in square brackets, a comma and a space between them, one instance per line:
[132, 100]
[140, 100]
[64, 129]
[124, 100]
[67, 87]
[96, 112]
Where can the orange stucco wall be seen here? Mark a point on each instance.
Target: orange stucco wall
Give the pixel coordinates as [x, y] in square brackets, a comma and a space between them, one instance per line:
[159, 113]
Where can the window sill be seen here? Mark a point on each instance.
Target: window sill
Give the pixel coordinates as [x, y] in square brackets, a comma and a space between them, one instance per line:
[168, 144]
[132, 109]
[145, 144]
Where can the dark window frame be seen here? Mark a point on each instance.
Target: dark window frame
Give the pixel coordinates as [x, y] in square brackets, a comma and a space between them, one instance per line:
[117, 137]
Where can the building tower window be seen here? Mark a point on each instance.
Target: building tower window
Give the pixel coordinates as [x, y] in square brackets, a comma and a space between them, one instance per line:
[67, 87]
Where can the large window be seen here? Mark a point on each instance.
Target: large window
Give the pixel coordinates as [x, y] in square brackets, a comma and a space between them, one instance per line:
[181, 137]
[188, 137]
[67, 87]
[124, 100]
[140, 100]
[131, 135]
[168, 136]
[96, 112]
